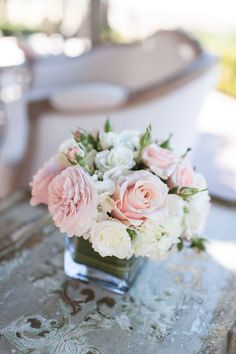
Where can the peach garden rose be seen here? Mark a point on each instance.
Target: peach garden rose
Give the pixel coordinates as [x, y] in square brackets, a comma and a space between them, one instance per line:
[72, 201]
[42, 179]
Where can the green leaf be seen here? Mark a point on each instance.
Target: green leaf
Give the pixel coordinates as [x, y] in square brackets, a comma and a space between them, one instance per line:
[199, 243]
[84, 138]
[146, 138]
[174, 190]
[108, 126]
[188, 192]
[180, 245]
[138, 166]
[94, 142]
[70, 161]
[80, 136]
[132, 233]
[83, 162]
[166, 143]
[186, 209]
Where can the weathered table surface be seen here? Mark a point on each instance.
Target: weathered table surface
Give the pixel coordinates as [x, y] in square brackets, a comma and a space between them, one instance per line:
[183, 305]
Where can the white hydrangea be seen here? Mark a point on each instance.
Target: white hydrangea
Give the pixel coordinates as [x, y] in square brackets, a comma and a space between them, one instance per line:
[156, 237]
[118, 157]
[110, 238]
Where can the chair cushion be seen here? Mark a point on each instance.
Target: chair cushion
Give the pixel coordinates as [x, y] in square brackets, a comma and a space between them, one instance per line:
[89, 97]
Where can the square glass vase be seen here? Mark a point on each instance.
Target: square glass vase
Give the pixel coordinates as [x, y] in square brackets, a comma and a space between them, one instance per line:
[83, 263]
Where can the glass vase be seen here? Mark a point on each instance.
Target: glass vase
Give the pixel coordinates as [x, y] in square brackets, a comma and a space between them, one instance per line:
[82, 262]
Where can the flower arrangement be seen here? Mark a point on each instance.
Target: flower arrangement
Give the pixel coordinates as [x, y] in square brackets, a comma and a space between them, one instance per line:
[126, 193]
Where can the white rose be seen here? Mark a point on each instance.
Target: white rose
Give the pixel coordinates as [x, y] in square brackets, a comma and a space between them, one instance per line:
[130, 139]
[115, 172]
[108, 140]
[155, 238]
[119, 156]
[110, 238]
[197, 210]
[105, 187]
[104, 190]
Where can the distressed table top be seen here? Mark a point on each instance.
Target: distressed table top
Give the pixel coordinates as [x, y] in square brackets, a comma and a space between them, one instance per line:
[184, 305]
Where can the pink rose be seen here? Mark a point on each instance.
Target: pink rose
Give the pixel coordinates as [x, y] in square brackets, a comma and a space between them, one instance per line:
[72, 201]
[73, 152]
[138, 196]
[183, 176]
[41, 180]
[160, 161]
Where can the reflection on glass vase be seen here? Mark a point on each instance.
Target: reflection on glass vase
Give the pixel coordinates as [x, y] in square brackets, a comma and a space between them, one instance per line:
[82, 262]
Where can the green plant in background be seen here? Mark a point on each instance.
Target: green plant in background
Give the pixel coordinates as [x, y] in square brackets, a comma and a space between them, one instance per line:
[110, 35]
[224, 46]
[9, 29]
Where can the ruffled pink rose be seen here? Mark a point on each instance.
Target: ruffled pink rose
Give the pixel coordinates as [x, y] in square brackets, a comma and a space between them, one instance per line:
[138, 196]
[41, 181]
[72, 201]
[183, 176]
[160, 161]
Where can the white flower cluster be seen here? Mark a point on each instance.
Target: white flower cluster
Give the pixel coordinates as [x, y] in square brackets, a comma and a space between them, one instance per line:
[148, 199]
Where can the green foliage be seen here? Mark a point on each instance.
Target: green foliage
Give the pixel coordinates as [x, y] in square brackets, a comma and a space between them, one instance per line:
[174, 191]
[227, 83]
[166, 143]
[83, 162]
[146, 138]
[224, 46]
[108, 126]
[186, 209]
[87, 140]
[84, 138]
[110, 35]
[132, 233]
[180, 245]
[138, 166]
[9, 29]
[186, 192]
[198, 243]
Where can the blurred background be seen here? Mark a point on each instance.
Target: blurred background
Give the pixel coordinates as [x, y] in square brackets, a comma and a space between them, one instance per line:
[73, 62]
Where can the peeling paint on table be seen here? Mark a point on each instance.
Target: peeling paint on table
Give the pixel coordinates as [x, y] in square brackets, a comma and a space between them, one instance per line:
[183, 305]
